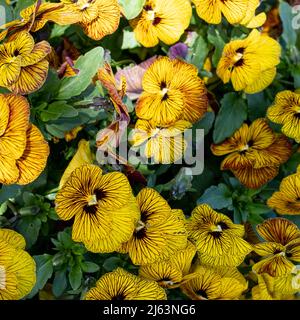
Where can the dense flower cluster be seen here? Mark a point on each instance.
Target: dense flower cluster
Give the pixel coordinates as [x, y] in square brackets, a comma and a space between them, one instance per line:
[146, 235]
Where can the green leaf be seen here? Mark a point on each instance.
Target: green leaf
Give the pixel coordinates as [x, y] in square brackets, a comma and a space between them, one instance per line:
[44, 271]
[112, 263]
[88, 66]
[200, 52]
[287, 17]
[89, 267]
[232, 114]
[258, 208]
[132, 8]
[129, 40]
[258, 104]
[218, 197]
[206, 122]
[75, 276]
[58, 109]
[215, 38]
[7, 192]
[59, 283]
[29, 227]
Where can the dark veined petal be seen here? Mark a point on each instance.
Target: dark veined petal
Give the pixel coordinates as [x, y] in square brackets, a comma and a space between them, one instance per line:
[278, 230]
[9, 172]
[13, 141]
[13, 238]
[31, 78]
[34, 158]
[255, 178]
[275, 266]
[4, 114]
[122, 285]
[153, 206]
[106, 22]
[23, 266]
[39, 52]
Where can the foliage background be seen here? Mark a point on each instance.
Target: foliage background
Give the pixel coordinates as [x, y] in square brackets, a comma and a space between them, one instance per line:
[65, 270]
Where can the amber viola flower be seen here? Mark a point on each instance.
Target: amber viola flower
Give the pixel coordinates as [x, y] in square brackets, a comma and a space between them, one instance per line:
[250, 63]
[164, 145]
[254, 153]
[281, 249]
[172, 272]
[102, 205]
[34, 18]
[122, 285]
[286, 111]
[82, 157]
[17, 268]
[235, 12]
[287, 199]
[218, 240]
[163, 20]
[215, 284]
[23, 150]
[159, 233]
[98, 18]
[172, 91]
[23, 64]
[277, 288]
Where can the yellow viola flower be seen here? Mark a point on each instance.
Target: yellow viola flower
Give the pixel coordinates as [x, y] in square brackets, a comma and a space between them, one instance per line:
[172, 91]
[164, 20]
[286, 111]
[98, 18]
[282, 247]
[251, 20]
[23, 64]
[287, 199]
[164, 145]
[34, 18]
[103, 207]
[277, 288]
[235, 12]
[218, 240]
[34, 159]
[250, 64]
[23, 150]
[83, 156]
[122, 285]
[254, 153]
[170, 273]
[215, 284]
[158, 234]
[17, 268]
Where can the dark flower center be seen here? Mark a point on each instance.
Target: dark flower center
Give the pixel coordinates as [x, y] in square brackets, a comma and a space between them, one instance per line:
[16, 53]
[156, 21]
[100, 194]
[239, 63]
[250, 143]
[240, 50]
[91, 210]
[141, 233]
[202, 294]
[119, 296]
[297, 115]
[216, 234]
[164, 89]
[223, 225]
